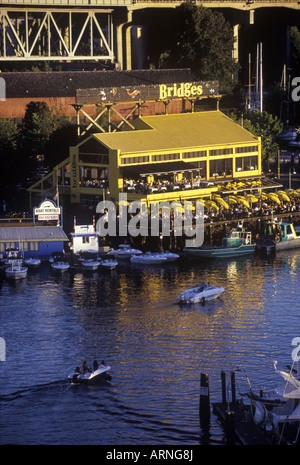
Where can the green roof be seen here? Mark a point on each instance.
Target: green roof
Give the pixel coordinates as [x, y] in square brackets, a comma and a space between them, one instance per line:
[178, 132]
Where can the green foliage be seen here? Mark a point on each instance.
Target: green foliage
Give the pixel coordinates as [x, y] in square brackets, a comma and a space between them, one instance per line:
[9, 135]
[40, 122]
[203, 41]
[267, 127]
[295, 46]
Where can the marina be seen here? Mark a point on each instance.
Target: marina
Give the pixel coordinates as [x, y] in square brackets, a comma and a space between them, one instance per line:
[155, 348]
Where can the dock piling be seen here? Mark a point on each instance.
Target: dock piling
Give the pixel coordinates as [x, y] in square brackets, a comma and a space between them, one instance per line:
[204, 402]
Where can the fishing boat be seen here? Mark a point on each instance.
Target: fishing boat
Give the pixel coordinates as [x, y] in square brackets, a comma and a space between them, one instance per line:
[148, 258]
[124, 252]
[236, 243]
[92, 376]
[16, 271]
[202, 293]
[279, 235]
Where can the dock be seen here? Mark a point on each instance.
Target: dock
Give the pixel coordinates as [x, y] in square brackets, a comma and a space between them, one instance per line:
[234, 415]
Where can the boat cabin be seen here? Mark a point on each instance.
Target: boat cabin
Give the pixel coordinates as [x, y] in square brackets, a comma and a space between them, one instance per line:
[85, 239]
[237, 237]
[280, 231]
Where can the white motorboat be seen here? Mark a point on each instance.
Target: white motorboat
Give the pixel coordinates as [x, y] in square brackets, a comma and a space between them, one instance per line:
[16, 270]
[32, 262]
[91, 377]
[90, 264]
[201, 293]
[148, 258]
[125, 252]
[60, 266]
[108, 263]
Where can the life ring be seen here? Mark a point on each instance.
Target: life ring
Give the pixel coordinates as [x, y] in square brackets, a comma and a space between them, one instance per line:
[277, 238]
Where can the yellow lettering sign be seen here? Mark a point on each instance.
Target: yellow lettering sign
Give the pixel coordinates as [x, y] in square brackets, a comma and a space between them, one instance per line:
[182, 90]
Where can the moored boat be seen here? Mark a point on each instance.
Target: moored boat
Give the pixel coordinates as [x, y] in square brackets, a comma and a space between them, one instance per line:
[148, 258]
[236, 243]
[124, 252]
[108, 263]
[16, 270]
[60, 266]
[279, 235]
[202, 293]
[32, 262]
[90, 264]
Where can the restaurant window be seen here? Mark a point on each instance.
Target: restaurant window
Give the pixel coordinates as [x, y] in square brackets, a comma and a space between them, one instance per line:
[220, 168]
[132, 160]
[166, 157]
[197, 154]
[250, 148]
[215, 152]
[246, 163]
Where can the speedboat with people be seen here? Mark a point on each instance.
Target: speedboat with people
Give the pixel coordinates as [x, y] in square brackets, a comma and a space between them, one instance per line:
[90, 376]
[202, 293]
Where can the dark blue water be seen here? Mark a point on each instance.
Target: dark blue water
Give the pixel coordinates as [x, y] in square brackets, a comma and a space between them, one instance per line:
[157, 350]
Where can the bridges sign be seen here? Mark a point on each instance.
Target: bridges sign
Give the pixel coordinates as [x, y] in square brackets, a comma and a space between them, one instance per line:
[177, 90]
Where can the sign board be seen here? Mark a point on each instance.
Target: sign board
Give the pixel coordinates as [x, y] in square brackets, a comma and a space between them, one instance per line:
[177, 90]
[47, 211]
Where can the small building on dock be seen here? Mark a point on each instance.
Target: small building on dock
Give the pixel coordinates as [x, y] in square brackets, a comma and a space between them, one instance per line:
[34, 241]
[39, 237]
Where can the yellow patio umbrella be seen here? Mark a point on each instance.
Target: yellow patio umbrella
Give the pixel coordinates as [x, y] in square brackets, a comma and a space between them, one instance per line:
[283, 195]
[222, 202]
[274, 198]
[263, 196]
[243, 200]
[291, 192]
[211, 205]
[232, 199]
[251, 198]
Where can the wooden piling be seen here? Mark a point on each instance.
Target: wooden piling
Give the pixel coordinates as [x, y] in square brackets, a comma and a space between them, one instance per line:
[204, 402]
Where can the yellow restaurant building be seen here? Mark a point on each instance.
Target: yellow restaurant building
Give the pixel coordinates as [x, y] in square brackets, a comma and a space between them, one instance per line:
[160, 157]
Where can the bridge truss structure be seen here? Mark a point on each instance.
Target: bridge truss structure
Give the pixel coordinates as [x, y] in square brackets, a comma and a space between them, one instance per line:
[56, 34]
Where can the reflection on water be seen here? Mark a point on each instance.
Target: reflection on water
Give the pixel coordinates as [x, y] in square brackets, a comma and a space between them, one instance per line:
[157, 349]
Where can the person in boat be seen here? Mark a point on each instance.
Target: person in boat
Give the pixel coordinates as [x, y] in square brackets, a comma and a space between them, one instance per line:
[85, 368]
[95, 365]
[77, 370]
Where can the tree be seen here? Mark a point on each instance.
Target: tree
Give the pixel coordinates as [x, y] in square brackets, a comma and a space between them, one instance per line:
[40, 122]
[203, 41]
[267, 127]
[9, 135]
